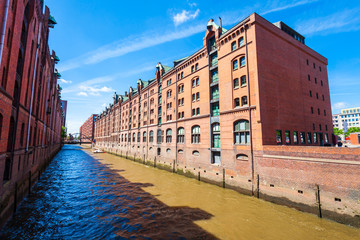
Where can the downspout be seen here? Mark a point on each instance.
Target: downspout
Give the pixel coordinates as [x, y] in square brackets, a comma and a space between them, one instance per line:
[32, 87]
[4, 29]
[249, 109]
[176, 122]
[45, 118]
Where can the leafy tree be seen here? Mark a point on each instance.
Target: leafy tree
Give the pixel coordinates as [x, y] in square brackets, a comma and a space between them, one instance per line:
[352, 130]
[338, 132]
[63, 132]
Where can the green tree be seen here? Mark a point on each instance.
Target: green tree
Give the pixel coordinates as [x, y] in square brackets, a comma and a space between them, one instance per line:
[338, 132]
[352, 130]
[63, 132]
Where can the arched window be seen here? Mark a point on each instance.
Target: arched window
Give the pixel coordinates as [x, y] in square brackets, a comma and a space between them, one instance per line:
[138, 137]
[216, 135]
[195, 153]
[241, 132]
[235, 64]
[243, 81]
[168, 135]
[236, 83]
[196, 67]
[242, 61]
[151, 136]
[233, 46]
[151, 101]
[241, 42]
[145, 104]
[144, 136]
[10, 145]
[242, 157]
[195, 134]
[122, 137]
[125, 137]
[236, 102]
[134, 137]
[169, 93]
[181, 135]
[158, 136]
[244, 101]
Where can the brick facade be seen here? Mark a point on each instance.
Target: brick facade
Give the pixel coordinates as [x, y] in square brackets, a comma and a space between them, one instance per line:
[30, 111]
[87, 129]
[215, 114]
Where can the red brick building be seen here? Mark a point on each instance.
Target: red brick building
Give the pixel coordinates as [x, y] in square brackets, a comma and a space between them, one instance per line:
[250, 110]
[87, 129]
[30, 108]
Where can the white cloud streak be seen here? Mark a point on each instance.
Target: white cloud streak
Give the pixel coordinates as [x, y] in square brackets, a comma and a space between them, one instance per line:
[338, 106]
[292, 4]
[185, 16]
[65, 81]
[344, 21]
[126, 46]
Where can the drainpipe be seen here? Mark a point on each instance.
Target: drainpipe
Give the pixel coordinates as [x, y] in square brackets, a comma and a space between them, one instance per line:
[249, 109]
[46, 104]
[4, 29]
[32, 87]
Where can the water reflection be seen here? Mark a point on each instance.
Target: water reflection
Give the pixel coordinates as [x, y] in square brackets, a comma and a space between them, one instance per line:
[77, 197]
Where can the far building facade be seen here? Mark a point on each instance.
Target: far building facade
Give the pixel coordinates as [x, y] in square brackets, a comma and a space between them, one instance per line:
[349, 117]
[87, 129]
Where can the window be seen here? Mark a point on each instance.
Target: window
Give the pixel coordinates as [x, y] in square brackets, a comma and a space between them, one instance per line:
[214, 76]
[235, 64]
[192, 69]
[324, 112]
[158, 136]
[197, 82]
[216, 135]
[322, 83]
[307, 61]
[310, 93]
[315, 138]
[309, 137]
[197, 96]
[193, 112]
[236, 102]
[193, 83]
[129, 138]
[152, 101]
[309, 77]
[168, 135]
[198, 111]
[196, 66]
[21, 133]
[151, 136]
[181, 88]
[326, 138]
[312, 110]
[144, 136]
[236, 83]
[195, 153]
[241, 42]
[287, 137]
[169, 93]
[215, 92]
[233, 46]
[182, 74]
[315, 80]
[302, 137]
[241, 132]
[193, 97]
[195, 134]
[296, 140]
[213, 60]
[278, 137]
[242, 61]
[243, 81]
[318, 111]
[181, 135]
[244, 101]
[215, 111]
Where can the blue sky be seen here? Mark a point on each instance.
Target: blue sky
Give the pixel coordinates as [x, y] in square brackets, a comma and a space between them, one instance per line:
[106, 46]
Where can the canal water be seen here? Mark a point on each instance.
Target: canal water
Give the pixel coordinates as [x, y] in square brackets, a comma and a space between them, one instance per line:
[86, 196]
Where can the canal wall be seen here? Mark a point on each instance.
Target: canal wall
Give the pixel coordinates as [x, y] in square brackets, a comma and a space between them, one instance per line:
[318, 180]
[29, 166]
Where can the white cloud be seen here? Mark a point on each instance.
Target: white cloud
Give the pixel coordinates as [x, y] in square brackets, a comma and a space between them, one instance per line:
[344, 21]
[82, 94]
[288, 5]
[338, 106]
[65, 81]
[125, 46]
[95, 90]
[184, 16]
